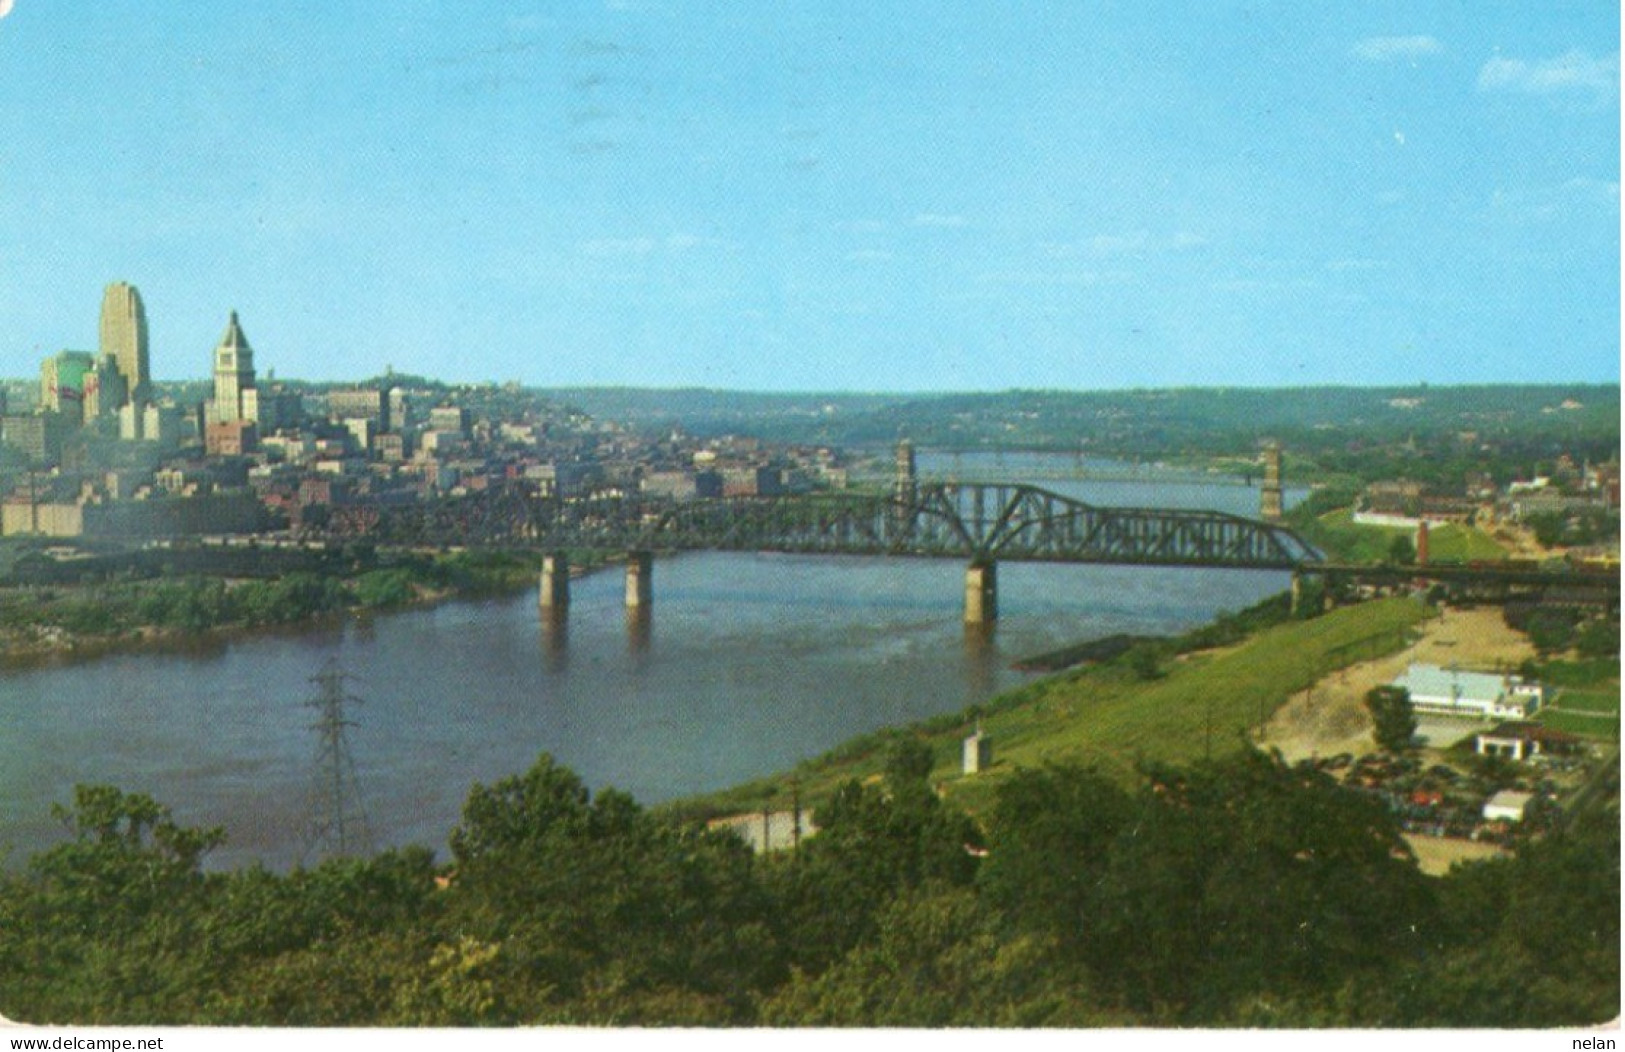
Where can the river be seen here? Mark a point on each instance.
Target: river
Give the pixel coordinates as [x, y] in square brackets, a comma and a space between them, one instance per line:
[749, 664]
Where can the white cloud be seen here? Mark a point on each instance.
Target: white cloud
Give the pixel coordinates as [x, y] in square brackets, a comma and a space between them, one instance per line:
[5, 8]
[937, 219]
[1575, 71]
[1389, 49]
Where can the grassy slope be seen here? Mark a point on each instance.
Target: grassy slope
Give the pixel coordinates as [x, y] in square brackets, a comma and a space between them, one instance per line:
[1342, 538]
[1107, 717]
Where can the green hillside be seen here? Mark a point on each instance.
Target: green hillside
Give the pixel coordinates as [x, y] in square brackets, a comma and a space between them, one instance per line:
[1110, 716]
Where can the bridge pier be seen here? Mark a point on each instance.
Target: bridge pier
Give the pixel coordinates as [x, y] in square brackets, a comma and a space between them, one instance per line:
[981, 593]
[555, 583]
[640, 572]
[555, 638]
[1297, 593]
[639, 629]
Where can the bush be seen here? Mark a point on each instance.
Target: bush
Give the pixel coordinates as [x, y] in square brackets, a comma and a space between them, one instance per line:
[1599, 639]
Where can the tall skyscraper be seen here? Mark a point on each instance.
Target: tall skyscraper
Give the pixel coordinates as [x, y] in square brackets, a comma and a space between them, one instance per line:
[124, 338]
[235, 397]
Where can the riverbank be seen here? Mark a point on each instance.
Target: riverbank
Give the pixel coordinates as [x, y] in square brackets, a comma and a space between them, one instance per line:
[42, 627]
[1114, 716]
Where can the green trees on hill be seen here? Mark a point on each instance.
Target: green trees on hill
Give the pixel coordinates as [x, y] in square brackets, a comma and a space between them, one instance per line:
[1235, 892]
[591, 909]
[1211, 886]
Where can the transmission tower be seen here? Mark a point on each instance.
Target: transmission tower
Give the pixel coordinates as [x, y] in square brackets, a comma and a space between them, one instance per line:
[338, 821]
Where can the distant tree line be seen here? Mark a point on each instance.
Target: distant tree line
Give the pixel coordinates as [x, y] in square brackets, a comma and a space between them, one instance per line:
[197, 603]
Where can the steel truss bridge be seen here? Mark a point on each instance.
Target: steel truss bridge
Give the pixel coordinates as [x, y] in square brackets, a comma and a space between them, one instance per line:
[978, 522]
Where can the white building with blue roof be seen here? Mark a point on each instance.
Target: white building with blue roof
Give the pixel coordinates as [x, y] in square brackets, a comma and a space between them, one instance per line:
[1482, 695]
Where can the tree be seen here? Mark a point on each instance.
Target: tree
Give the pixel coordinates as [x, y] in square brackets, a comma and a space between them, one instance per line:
[1144, 659]
[1052, 831]
[1246, 877]
[100, 929]
[908, 762]
[1551, 631]
[1401, 550]
[603, 910]
[873, 842]
[1393, 717]
[939, 960]
[1599, 639]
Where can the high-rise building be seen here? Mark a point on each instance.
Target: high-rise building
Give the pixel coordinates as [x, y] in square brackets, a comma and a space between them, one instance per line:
[62, 382]
[124, 338]
[360, 403]
[235, 397]
[105, 390]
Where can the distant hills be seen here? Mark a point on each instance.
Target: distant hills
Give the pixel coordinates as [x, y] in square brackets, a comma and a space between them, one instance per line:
[1157, 421]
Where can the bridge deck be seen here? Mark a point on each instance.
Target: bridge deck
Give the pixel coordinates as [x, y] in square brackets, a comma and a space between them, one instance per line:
[971, 521]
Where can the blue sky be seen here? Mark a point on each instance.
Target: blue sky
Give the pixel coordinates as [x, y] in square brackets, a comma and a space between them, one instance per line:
[822, 195]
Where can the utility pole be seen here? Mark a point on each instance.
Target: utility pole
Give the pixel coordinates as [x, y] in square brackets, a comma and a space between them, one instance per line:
[338, 821]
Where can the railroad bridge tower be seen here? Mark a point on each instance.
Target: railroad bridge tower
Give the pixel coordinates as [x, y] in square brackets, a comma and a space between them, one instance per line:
[1269, 496]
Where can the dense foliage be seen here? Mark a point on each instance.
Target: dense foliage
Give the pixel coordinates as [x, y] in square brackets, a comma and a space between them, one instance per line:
[194, 603]
[1393, 719]
[1241, 891]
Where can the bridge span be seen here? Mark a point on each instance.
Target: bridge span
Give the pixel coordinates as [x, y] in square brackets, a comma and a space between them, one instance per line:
[981, 523]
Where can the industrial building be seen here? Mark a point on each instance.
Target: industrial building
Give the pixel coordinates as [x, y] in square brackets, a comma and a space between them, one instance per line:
[1483, 695]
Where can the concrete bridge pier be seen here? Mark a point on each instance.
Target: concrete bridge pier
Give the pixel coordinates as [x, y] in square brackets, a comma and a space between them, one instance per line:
[1297, 592]
[981, 593]
[640, 579]
[555, 638]
[555, 584]
[639, 629]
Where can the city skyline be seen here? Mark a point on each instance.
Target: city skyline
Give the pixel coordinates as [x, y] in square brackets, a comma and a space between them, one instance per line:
[823, 198]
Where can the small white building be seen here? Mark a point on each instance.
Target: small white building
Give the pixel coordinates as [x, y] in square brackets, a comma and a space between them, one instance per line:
[977, 753]
[1507, 806]
[1483, 695]
[1520, 741]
